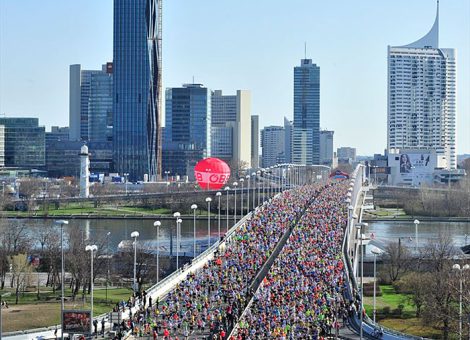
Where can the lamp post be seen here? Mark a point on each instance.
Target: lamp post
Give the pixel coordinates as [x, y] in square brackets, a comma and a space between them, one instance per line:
[134, 235]
[227, 189]
[416, 222]
[91, 249]
[360, 227]
[218, 194]
[253, 175]
[208, 200]
[194, 207]
[460, 271]
[158, 224]
[248, 195]
[125, 180]
[241, 202]
[177, 216]
[235, 184]
[107, 263]
[62, 275]
[258, 173]
[376, 251]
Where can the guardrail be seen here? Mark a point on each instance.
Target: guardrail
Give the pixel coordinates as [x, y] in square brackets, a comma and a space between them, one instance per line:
[368, 325]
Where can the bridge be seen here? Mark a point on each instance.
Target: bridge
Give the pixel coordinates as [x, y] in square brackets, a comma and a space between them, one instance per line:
[226, 282]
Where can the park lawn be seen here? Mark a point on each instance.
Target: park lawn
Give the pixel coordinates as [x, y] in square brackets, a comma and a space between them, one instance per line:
[407, 322]
[31, 313]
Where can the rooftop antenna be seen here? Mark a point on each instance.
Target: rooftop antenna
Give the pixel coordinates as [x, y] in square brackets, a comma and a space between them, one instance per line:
[193, 79]
[305, 47]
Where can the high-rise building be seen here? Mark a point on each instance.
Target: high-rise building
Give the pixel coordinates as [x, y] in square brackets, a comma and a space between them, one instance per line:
[187, 128]
[255, 141]
[24, 143]
[422, 97]
[232, 112]
[306, 134]
[272, 142]
[288, 140]
[137, 88]
[346, 154]
[326, 147]
[91, 103]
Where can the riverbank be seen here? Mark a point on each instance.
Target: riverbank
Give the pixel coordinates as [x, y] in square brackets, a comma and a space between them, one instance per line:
[391, 215]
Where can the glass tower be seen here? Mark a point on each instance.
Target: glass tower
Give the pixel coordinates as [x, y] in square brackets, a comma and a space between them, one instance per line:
[188, 128]
[137, 88]
[306, 134]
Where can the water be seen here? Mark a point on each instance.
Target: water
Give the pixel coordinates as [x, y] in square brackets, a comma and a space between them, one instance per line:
[386, 232]
[95, 231]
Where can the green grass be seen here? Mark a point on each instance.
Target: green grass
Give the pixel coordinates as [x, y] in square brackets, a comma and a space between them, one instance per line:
[407, 321]
[25, 315]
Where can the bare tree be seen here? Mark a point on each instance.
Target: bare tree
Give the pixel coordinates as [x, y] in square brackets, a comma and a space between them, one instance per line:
[21, 270]
[397, 260]
[440, 296]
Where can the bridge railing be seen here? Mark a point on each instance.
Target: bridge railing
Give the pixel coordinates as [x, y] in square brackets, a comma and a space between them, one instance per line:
[369, 326]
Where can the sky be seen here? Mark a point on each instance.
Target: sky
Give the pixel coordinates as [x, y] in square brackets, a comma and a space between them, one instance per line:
[238, 44]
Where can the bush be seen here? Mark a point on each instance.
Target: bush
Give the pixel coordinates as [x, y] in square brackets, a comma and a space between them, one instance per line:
[386, 310]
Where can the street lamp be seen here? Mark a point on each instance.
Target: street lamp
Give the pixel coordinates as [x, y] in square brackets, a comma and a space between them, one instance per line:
[134, 235]
[218, 194]
[158, 224]
[107, 263]
[194, 207]
[376, 251]
[416, 222]
[360, 227]
[235, 184]
[227, 189]
[208, 200]
[62, 276]
[258, 173]
[125, 179]
[241, 203]
[253, 175]
[460, 270]
[91, 249]
[177, 216]
[248, 195]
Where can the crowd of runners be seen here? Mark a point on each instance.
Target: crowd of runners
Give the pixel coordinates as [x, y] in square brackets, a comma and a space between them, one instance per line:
[208, 303]
[301, 297]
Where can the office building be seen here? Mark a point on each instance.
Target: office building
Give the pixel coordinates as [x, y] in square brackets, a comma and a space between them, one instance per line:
[422, 97]
[255, 139]
[57, 134]
[2, 146]
[24, 143]
[326, 147]
[63, 157]
[346, 154]
[91, 103]
[137, 88]
[288, 140]
[187, 128]
[272, 142]
[306, 134]
[232, 112]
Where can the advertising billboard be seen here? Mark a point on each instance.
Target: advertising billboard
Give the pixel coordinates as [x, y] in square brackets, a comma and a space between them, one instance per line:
[77, 321]
[416, 163]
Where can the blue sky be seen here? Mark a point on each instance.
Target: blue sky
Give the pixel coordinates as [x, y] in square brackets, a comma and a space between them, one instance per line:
[242, 44]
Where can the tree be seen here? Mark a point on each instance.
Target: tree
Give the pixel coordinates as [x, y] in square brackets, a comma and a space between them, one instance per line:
[440, 297]
[397, 260]
[416, 285]
[21, 270]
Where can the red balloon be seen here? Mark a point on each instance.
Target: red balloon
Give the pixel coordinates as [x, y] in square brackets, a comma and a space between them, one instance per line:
[211, 173]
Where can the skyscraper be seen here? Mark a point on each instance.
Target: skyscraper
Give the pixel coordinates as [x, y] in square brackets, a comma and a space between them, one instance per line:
[306, 132]
[137, 88]
[255, 141]
[422, 97]
[272, 142]
[326, 147]
[231, 118]
[187, 128]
